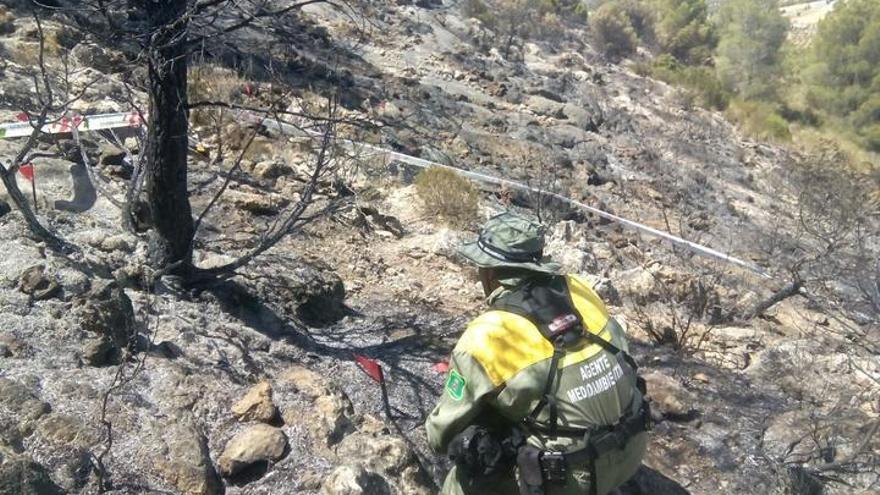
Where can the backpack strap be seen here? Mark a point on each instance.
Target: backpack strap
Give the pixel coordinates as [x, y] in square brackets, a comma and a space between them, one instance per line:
[547, 304]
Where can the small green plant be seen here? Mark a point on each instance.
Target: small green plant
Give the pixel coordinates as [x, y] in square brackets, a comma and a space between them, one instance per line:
[448, 195]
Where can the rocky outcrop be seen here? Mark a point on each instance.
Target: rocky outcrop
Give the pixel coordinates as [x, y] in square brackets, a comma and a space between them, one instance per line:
[183, 461]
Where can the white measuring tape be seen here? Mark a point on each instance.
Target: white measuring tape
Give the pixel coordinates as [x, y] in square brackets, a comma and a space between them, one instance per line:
[132, 119]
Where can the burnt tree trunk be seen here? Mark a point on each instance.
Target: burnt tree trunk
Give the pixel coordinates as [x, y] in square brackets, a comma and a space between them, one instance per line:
[20, 201]
[166, 146]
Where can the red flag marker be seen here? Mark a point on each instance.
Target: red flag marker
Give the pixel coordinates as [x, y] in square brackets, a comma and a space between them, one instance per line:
[441, 367]
[27, 171]
[22, 117]
[370, 366]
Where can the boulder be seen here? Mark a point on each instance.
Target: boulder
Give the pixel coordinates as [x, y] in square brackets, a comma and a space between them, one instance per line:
[330, 418]
[107, 314]
[545, 106]
[259, 443]
[669, 399]
[354, 480]
[639, 284]
[256, 405]
[605, 288]
[88, 55]
[383, 455]
[183, 460]
[305, 381]
[309, 290]
[36, 283]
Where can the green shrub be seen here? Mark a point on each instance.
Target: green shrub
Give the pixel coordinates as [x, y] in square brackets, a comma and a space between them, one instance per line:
[447, 195]
[613, 31]
[683, 29]
[700, 81]
[871, 135]
[759, 120]
[477, 9]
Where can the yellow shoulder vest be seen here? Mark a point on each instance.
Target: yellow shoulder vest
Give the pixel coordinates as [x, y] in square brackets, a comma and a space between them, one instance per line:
[505, 343]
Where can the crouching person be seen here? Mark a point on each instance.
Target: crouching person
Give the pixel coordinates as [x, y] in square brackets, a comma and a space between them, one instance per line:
[542, 396]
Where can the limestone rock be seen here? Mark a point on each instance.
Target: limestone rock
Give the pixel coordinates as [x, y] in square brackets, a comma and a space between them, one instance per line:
[99, 351]
[304, 380]
[36, 283]
[331, 417]
[74, 282]
[258, 443]
[545, 106]
[354, 480]
[386, 455]
[668, 397]
[184, 461]
[96, 57]
[381, 453]
[256, 405]
[638, 284]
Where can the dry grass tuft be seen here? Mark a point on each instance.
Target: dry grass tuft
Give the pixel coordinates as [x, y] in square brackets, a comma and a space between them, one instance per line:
[449, 196]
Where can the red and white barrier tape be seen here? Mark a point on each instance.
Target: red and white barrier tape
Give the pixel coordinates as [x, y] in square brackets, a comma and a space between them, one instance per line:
[132, 119]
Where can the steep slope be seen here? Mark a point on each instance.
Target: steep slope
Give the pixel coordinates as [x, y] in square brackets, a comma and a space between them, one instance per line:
[252, 385]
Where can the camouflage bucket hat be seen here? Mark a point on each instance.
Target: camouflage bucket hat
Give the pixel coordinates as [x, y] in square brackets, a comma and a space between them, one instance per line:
[511, 241]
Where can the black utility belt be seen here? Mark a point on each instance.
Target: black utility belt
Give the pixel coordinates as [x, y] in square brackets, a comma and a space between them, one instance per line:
[554, 465]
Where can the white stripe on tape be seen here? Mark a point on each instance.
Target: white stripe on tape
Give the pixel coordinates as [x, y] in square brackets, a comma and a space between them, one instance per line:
[66, 124]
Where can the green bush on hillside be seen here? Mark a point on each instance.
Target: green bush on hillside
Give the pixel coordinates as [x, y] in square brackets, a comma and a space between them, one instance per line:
[844, 67]
[700, 81]
[759, 120]
[751, 33]
[683, 29]
[613, 31]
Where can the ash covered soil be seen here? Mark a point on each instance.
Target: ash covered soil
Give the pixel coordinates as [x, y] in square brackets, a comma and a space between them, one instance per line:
[251, 386]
